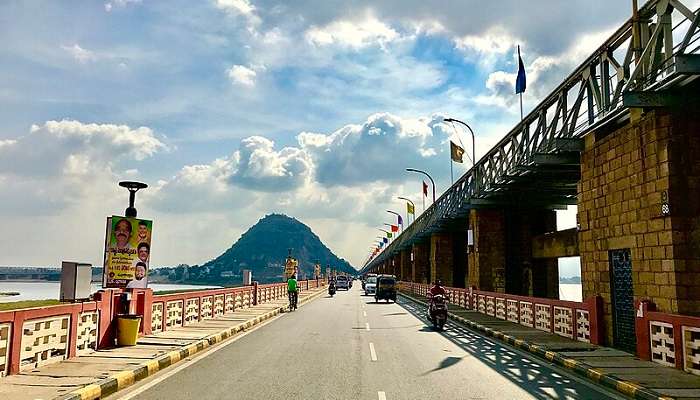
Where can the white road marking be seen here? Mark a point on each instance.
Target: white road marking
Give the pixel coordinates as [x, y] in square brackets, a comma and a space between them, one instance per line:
[168, 373]
[372, 353]
[367, 325]
[364, 313]
[381, 395]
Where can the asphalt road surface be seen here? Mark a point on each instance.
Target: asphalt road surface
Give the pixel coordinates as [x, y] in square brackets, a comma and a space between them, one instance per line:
[348, 347]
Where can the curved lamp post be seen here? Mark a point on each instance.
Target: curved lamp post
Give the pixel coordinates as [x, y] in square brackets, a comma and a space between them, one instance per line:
[412, 205]
[470, 131]
[398, 215]
[426, 174]
[132, 187]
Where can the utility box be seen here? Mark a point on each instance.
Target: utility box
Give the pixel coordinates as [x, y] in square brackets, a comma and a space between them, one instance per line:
[247, 277]
[75, 281]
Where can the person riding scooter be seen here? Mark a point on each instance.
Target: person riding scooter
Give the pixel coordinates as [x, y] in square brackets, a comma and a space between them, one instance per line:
[437, 305]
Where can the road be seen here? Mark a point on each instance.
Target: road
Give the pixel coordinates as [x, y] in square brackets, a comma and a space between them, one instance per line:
[349, 347]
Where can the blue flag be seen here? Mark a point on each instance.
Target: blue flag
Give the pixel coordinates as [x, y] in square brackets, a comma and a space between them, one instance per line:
[400, 220]
[385, 240]
[520, 83]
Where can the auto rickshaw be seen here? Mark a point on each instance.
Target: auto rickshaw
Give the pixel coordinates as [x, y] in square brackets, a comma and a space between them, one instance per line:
[386, 288]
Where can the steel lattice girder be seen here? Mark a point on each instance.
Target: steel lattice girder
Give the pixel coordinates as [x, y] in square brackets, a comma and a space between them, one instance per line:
[587, 99]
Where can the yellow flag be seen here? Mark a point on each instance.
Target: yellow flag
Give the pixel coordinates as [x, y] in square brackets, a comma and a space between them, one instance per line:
[456, 152]
[410, 209]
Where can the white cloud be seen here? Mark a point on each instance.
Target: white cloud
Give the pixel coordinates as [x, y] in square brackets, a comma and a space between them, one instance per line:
[80, 54]
[355, 34]
[242, 75]
[242, 8]
[119, 3]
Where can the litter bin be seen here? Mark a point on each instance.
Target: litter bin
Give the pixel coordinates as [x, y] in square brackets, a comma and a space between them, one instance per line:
[128, 329]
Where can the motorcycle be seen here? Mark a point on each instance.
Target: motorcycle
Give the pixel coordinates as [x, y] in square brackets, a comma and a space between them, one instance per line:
[331, 290]
[437, 312]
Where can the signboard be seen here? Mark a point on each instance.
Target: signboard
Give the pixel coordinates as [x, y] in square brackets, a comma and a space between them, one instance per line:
[290, 267]
[127, 252]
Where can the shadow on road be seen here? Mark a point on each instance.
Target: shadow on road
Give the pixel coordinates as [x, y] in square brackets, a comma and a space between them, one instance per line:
[446, 363]
[531, 375]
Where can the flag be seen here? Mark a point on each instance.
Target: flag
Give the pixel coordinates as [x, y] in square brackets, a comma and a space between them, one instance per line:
[389, 235]
[425, 189]
[456, 152]
[400, 220]
[394, 228]
[520, 82]
[410, 209]
[385, 240]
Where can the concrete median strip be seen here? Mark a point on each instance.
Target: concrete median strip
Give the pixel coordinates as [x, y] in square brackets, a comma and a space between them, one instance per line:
[579, 368]
[125, 379]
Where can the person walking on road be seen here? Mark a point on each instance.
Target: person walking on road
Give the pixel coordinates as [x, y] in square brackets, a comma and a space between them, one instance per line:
[292, 292]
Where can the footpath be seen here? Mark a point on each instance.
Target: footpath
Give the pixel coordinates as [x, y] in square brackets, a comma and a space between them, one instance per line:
[104, 372]
[608, 367]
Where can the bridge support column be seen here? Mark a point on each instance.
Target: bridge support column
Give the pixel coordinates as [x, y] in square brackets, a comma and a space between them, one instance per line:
[487, 260]
[526, 275]
[459, 258]
[441, 258]
[639, 217]
[421, 263]
[404, 265]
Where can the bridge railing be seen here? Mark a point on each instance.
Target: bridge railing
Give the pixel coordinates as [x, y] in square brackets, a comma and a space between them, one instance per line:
[668, 339]
[579, 321]
[32, 337]
[642, 55]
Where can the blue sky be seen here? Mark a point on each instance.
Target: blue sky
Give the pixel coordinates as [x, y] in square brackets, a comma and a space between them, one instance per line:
[233, 109]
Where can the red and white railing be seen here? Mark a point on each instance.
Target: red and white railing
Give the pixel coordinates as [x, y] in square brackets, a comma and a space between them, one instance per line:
[32, 337]
[576, 320]
[668, 339]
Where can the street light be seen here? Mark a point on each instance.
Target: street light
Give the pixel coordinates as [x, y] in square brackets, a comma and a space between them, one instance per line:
[398, 215]
[426, 174]
[470, 131]
[412, 205]
[132, 187]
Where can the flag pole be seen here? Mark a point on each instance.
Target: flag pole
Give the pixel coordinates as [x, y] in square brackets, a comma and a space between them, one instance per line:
[452, 178]
[521, 106]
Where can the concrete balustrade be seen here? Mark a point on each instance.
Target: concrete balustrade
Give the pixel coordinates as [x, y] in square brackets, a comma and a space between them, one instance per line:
[549, 315]
[33, 337]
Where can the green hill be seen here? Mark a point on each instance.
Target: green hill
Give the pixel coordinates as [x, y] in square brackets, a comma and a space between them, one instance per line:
[264, 248]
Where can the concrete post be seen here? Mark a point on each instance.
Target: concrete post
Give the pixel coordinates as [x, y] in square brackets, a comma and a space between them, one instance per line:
[487, 260]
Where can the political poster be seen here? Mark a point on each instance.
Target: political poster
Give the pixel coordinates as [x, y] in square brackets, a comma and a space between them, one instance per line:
[127, 252]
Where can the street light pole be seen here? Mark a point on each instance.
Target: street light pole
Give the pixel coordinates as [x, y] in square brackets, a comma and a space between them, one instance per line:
[412, 205]
[398, 215]
[470, 131]
[132, 187]
[426, 174]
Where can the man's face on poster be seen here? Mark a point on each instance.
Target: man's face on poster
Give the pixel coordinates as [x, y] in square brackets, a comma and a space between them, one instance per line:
[122, 232]
[143, 231]
[140, 272]
[143, 253]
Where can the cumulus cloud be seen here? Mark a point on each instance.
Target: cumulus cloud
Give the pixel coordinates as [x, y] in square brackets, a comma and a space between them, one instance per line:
[242, 8]
[242, 75]
[355, 34]
[73, 146]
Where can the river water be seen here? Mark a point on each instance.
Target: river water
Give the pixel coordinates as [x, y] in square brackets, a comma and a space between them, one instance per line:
[50, 290]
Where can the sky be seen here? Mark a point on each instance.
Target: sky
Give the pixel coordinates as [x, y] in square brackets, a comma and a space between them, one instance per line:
[233, 109]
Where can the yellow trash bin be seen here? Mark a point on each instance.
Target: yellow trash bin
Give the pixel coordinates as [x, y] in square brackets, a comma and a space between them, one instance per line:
[128, 329]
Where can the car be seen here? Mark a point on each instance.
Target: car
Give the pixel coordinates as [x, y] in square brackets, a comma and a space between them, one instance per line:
[385, 288]
[341, 282]
[371, 285]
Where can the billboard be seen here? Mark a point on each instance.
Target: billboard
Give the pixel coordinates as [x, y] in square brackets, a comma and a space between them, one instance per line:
[127, 252]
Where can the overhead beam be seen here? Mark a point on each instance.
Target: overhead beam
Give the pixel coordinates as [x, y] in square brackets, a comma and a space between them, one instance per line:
[687, 64]
[569, 144]
[564, 158]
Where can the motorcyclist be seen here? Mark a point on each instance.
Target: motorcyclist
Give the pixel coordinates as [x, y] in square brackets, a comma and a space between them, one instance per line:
[331, 286]
[436, 290]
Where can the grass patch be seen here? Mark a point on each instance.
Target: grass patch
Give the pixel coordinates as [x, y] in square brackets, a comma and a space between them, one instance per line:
[13, 305]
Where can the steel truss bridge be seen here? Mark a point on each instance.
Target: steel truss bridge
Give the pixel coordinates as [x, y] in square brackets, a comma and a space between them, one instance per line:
[538, 162]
